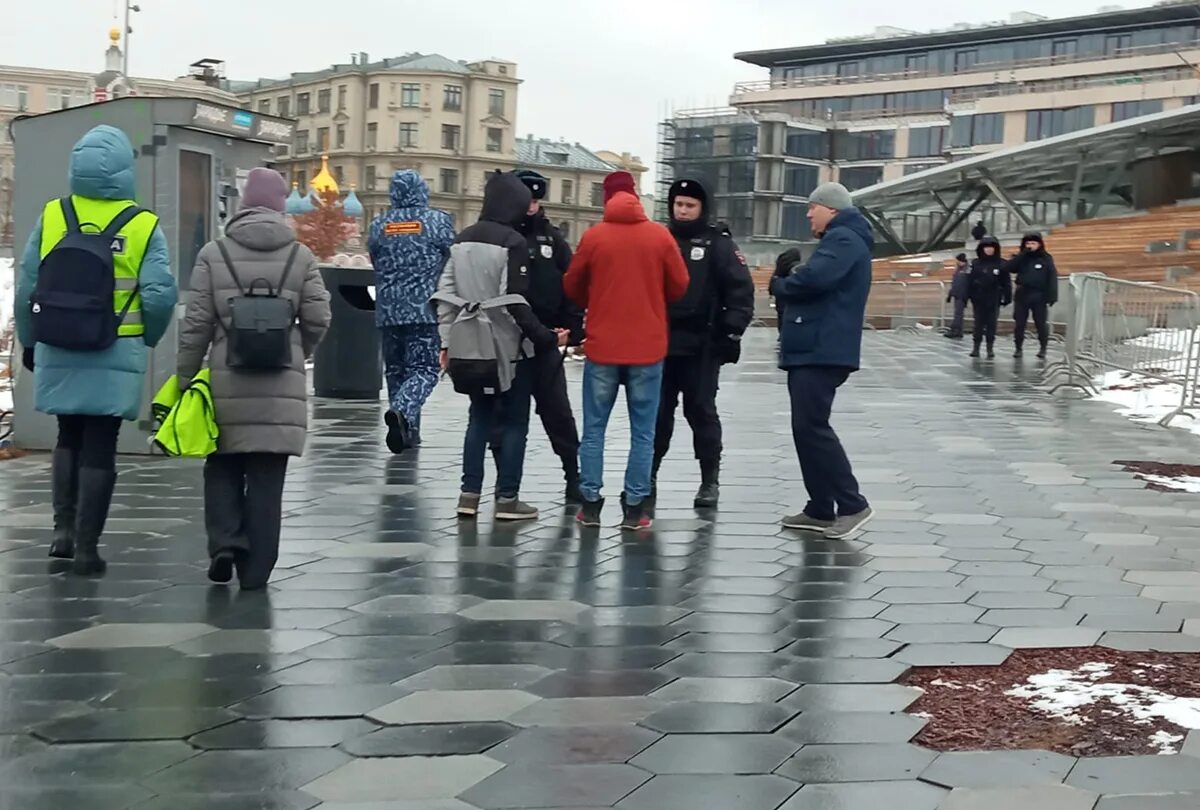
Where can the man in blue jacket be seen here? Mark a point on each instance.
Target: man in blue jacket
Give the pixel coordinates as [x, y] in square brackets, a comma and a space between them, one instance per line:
[823, 305]
[409, 245]
[92, 392]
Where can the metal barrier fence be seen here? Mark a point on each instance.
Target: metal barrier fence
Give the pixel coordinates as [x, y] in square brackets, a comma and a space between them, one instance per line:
[1147, 331]
[907, 305]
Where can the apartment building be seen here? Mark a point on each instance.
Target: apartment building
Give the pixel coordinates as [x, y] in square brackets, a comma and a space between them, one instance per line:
[451, 121]
[34, 90]
[866, 109]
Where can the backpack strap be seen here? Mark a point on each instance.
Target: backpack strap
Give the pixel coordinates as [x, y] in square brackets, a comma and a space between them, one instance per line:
[229, 264]
[501, 301]
[121, 220]
[69, 215]
[449, 298]
[287, 268]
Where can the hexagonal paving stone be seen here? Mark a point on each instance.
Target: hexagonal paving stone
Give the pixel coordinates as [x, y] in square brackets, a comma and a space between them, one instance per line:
[462, 706]
[254, 735]
[986, 769]
[1148, 774]
[300, 702]
[853, 727]
[943, 655]
[524, 610]
[1157, 801]
[725, 690]
[522, 786]
[378, 551]
[857, 763]
[226, 642]
[586, 711]
[716, 753]
[133, 724]
[1041, 797]
[892, 697]
[114, 636]
[574, 745]
[451, 677]
[403, 778]
[862, 795]
[613, 683]
[429, 740]
[716, 718]
[843, 670]
[692, 791]
[247, 771]
[1019, 638]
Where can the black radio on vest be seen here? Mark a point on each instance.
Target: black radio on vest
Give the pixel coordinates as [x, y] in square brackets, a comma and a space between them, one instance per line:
[260, 330]
[73, 303]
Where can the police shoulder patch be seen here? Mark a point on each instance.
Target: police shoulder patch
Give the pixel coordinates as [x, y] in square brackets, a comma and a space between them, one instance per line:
[741, 257]
[413, 228]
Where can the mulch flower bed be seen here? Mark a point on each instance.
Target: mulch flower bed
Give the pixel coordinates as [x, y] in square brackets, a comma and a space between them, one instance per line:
[1164, 477]
[1089, 701]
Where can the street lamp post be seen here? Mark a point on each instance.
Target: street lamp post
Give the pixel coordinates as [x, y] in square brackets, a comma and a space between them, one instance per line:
[130, 8]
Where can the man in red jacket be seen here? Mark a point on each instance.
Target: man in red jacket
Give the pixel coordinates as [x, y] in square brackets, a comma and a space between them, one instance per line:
[626, 271]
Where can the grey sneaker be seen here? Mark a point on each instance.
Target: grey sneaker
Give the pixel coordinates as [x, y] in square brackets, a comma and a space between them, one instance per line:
[847, 525]
[468, 504]
[514, 509]
[804, 523]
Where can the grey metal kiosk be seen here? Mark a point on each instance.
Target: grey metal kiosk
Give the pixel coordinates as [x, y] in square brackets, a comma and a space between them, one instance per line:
[192, 158]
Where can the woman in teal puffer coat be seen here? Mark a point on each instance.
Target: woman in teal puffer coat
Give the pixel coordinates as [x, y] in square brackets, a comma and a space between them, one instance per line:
[91, 392]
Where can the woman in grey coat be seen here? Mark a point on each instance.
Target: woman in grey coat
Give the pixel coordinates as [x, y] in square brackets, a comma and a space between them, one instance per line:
[262, 415]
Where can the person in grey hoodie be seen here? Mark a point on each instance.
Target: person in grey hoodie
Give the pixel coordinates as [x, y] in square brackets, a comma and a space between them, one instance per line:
[262, 415]
[960, 291]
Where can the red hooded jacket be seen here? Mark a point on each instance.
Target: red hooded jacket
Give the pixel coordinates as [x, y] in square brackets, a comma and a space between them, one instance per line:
[626, 271]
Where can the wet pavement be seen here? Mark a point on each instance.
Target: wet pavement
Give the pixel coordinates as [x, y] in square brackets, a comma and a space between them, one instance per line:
[402, 659]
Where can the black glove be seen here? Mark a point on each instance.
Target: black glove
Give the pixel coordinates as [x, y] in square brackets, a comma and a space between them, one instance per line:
[729, 349]
[785, 261]
[27, 359]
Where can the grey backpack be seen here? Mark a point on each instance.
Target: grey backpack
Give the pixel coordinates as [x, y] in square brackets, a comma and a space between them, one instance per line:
[480, 364]
[261, 319]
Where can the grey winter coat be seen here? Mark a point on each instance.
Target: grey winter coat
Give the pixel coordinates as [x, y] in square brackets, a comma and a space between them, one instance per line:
[257, 411]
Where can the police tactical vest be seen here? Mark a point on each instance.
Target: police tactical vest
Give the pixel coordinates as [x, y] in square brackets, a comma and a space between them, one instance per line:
[697, 303]
[545, 293]
[91, 255]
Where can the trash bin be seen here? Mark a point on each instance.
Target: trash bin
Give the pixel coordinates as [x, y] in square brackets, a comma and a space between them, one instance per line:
[348, 364]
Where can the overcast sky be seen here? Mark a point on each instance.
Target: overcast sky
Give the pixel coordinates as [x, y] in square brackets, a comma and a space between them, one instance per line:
[601, 73]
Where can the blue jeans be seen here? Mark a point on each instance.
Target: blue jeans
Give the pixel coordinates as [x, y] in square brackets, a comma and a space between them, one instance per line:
[508, 416]
[643, 388]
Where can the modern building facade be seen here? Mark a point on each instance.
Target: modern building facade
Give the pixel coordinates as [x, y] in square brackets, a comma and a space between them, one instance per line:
[868, 109]
[575, 192]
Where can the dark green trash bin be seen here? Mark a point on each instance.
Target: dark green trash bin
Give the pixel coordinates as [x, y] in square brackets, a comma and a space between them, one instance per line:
[348, 364]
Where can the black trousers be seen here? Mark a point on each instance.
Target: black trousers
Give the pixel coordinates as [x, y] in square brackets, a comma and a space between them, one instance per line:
[243, 510]
[695, 378]
[1023, 307]
[832, 487]
[986, 313]
[92, 438]
[554, 408]
[960, 309]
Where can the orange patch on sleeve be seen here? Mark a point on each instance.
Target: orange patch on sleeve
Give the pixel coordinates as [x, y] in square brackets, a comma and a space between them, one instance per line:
[402, 229]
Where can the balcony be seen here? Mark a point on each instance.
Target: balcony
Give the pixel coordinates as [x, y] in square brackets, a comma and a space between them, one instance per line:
[1170, 54]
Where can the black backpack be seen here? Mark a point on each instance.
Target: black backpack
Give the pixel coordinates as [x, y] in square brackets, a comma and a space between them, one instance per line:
[73, 303]
[260, 328]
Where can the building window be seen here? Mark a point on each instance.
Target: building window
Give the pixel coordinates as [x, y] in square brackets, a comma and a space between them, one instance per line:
[369, 178]
[557, 158]
[302, 179]
[799, 181]
[301, 141]
[1064, 49]
[302, 104]
[916, 63]
[796, 226]
[322, 139]
[452, 98]
[804, 143]
[323, 97]
[373, 96]
[451, 135]
[339, 175]
[965, 60]
[372, 137]
[741, 177]
[913, 168]
[974, 130]
[59, 98]
[408, 135]
[14, 96]
[568, 192]
[495, 139]
[410, 95]
[1124, 110]
[597, 198]
[873, 145]
[927, 141]
[340, 137]
[264, 106]
[449, 181]
[1115, 44]
[496, 102]
[1041, 124]
[848, 69]
[856, 177]
[342, 91]
[285, 107]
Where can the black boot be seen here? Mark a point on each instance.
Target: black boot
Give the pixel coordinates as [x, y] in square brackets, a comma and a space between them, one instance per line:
[65, 495]
[95, 496]
[1042, 354]
[710, 484]
[975, 351]
[571, 475]
[991, 355]
[1018, 352]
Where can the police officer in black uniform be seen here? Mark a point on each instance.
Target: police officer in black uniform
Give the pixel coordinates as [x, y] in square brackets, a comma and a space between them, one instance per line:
[706, 327]
[549, 257]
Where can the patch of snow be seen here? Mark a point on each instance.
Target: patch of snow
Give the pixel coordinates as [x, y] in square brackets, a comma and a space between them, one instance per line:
[1061, 693]
[1145, 400]
[956, 685]
[1166, 742]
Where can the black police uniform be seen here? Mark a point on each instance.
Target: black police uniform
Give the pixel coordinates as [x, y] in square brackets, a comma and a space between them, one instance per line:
[1036, 280]
[549, 258]
[990, 289]
[705, 326]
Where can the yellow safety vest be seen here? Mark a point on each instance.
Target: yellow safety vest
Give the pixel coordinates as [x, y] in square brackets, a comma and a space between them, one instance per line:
[94, 216]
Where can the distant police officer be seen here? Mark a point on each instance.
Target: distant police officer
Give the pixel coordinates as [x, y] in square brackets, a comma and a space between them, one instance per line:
[706, 327]
[549, 258]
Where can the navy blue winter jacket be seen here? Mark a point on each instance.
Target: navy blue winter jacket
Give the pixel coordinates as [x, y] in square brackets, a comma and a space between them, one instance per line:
[824, 301]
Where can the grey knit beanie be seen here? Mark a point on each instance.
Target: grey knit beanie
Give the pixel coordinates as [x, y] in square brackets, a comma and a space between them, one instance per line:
[831, 195]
